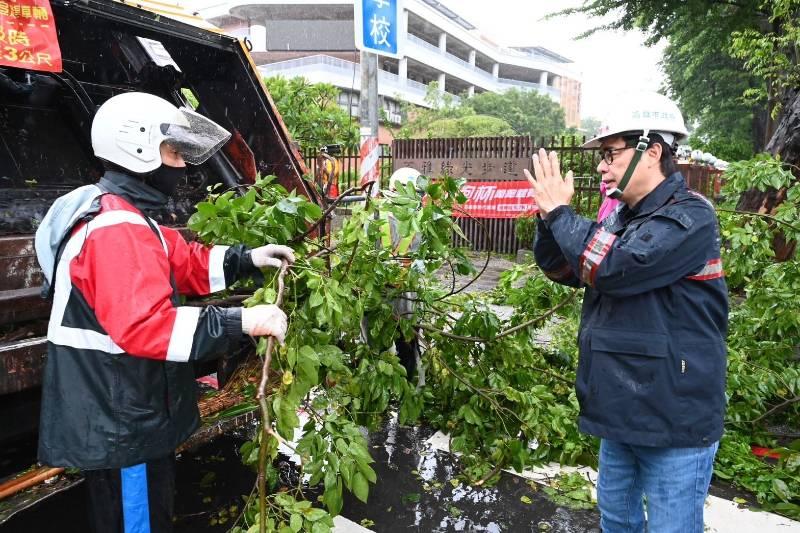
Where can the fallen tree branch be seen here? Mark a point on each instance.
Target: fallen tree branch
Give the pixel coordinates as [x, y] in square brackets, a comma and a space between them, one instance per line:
[266, 426]
[503, 333]
[327, 212]
[780, 407]
[760, 215]
[28, 480]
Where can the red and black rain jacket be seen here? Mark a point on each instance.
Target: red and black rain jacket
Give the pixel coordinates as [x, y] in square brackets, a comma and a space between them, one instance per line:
[117, 389]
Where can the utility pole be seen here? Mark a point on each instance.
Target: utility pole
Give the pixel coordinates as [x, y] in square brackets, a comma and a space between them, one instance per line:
[368, 112]
[368, 99]
[376, 25]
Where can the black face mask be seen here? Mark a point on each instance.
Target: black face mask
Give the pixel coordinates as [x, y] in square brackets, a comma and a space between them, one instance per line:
[165, 178]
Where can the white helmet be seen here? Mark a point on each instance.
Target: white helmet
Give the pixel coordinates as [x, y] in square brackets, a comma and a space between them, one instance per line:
[403, 176]
[129, 128]
[642, 112]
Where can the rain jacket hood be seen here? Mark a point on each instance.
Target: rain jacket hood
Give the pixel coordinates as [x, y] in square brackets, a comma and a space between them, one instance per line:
[68, 210]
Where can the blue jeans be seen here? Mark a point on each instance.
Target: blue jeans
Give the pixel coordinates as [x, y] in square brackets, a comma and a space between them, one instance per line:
[674, 480]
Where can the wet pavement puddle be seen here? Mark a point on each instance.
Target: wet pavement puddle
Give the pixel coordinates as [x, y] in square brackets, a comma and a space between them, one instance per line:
[417, 490]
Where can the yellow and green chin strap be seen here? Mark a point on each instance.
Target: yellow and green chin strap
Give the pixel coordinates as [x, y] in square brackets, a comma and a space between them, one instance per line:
[641, 146]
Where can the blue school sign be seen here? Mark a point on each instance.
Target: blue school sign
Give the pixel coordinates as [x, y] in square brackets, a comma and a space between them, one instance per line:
[377, 26]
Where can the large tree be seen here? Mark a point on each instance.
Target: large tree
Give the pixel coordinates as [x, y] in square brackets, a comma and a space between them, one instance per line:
[708, 84]
[761, 35]
[446, 117]
[513, 112]
[528, 112]
[311, 112]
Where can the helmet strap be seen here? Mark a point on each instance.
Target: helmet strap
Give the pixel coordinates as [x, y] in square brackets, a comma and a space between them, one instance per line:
[641, 146]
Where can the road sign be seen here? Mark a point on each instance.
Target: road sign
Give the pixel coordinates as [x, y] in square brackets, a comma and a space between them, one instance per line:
[377, 26]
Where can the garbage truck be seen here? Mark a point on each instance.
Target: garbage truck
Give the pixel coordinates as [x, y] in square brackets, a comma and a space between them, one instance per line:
[59, 61]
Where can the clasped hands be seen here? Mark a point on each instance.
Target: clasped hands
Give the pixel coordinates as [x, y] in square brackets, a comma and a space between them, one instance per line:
[549, 188]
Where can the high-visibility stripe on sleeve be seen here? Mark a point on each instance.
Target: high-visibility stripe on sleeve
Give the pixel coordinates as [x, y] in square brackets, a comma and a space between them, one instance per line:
[182, 337]
[81, 339]
[216, 268]
[594, 254]
[711, 270]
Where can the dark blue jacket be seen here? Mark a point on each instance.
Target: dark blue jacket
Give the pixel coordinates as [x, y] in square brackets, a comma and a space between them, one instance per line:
[652, 337]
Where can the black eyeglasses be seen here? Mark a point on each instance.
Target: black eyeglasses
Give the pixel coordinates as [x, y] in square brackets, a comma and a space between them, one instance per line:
[608, 153]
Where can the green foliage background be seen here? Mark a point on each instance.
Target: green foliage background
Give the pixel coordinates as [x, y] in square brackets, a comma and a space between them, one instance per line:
[312, 114]
[514, 112]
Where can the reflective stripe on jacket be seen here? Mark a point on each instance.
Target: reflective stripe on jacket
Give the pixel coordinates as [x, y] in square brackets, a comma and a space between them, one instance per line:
[116, 387]
[652, 335]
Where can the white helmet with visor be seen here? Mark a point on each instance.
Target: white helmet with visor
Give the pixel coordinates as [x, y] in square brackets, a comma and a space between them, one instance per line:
[128, 130]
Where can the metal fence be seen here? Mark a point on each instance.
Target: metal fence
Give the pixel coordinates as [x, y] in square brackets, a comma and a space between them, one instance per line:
[498, 234]
[349, 164]
[506, 157]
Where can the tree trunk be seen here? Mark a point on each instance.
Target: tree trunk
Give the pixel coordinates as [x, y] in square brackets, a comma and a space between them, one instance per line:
[786, 139]
[760, 123]
[785, 142]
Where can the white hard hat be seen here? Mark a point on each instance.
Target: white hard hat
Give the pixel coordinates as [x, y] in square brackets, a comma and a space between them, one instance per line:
[403, 176]
[642, 111]
[129, 128]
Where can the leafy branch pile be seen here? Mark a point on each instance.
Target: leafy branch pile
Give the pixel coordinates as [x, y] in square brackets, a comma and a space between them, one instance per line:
[764, 337]
[488, 384]
[502, 389]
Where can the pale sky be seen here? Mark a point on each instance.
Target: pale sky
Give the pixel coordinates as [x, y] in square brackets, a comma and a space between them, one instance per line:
[610, 62]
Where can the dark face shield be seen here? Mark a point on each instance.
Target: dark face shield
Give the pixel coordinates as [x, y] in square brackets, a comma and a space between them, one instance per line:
[199, 140]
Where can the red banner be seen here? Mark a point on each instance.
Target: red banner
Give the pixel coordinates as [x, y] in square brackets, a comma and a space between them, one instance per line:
[28, 35]
[498, 199]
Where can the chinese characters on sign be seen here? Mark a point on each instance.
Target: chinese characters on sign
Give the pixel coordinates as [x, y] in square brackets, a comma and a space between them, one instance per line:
[496, 187]
[377, 26]
[28, 35]
[474, 168]
[498, 199]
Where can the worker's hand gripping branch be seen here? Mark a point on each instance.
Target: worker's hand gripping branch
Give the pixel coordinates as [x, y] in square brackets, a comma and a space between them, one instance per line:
[271, 255]
[268, 320]
[263, 320]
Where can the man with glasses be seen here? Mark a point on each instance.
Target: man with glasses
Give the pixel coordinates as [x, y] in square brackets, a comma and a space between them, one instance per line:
[651, 373]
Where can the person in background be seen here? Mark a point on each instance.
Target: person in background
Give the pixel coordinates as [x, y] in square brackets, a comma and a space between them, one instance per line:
[119, 391]
[608, 205]
[651, 373]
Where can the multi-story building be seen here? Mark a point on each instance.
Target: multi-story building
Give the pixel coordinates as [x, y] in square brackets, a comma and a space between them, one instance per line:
[315, 39]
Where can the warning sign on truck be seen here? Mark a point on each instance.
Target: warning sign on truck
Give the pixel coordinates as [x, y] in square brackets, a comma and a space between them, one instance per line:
[28, 35]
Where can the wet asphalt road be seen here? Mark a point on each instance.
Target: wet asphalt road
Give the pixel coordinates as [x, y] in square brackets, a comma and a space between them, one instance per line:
[414, 492]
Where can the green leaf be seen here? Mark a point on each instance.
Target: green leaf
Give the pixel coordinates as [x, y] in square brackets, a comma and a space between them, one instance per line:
[286, 206]
[360, 487]
[206, 209]
[411, 497]
[316, 299]
[781, 489]
[320, 527]
[314, 514]
[333, 497]
[296, 522]
[367, 472]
